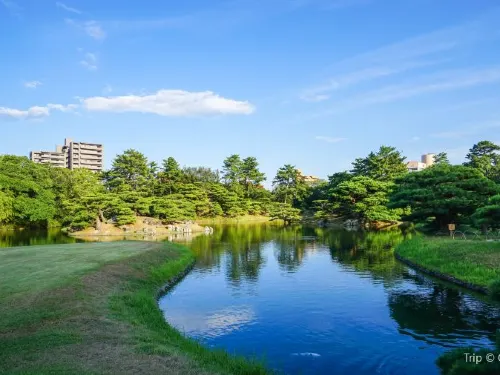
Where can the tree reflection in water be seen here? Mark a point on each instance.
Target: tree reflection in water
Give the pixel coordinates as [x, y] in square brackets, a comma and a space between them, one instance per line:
[434, 311]
[423, 308]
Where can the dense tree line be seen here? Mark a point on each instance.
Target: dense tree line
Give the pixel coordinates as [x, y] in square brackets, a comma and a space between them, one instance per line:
[40, 195]
[377, 189]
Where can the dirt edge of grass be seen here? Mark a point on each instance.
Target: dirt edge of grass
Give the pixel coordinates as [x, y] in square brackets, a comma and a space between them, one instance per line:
[111, 324]
[137, 304]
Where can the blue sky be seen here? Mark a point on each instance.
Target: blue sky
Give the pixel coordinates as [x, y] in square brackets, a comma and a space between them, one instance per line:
[314, 83]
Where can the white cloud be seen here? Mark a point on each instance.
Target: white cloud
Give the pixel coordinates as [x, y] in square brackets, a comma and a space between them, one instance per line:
[330, 139]
[91, 28]
[170, 103]
[89, 61]
[415, 139]
[163, 103]
[68, 8]
[32, 84]
[34, 112]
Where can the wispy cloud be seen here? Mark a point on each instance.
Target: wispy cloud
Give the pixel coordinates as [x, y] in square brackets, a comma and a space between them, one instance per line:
[12, 7]
[445, 81]
[321, 4]
[229, 14]
[91, 28]
[68, 8]
[467, 105]
[94, 29]
[32, 84]
[170, 103]
[89, 61]
[430, 83]
[407, 56]
[467, 131]
[321, 93]
[34, 112]
[330, 139]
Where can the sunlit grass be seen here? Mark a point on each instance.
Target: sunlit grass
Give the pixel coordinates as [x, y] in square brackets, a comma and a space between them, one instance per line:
[28, 269]
[475, 262]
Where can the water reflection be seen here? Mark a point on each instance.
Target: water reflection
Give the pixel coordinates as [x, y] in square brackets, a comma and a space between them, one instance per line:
[451, 317]
[216, 323]
[267, 290]
[26, 237]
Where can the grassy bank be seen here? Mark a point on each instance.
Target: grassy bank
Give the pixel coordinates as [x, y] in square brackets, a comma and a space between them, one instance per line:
[91, 309]
[471, 263]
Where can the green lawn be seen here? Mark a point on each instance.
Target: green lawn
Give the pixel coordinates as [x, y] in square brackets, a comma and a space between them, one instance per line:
[90, 309]
[30, 269]
[475, 262]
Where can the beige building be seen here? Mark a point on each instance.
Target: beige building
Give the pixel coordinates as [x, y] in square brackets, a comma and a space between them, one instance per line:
[426, 161]
[72, 155]
[309, 179]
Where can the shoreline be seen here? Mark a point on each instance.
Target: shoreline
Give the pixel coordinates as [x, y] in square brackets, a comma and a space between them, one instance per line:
[441, 276]
[468, 264]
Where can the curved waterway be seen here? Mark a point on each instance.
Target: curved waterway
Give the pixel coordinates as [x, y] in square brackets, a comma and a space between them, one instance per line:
[317, 301]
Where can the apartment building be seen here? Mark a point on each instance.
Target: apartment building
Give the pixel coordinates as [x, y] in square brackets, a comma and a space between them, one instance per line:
[73, 155]
[84, 155]
[57, 158]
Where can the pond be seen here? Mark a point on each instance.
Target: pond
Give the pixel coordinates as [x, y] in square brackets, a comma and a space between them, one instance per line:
[317, 301]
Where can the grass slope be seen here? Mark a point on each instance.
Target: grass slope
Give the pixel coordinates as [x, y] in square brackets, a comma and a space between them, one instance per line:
[473, 262]
[91, 309]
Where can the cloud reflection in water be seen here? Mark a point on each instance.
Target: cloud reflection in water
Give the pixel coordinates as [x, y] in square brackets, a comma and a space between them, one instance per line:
[212, 324]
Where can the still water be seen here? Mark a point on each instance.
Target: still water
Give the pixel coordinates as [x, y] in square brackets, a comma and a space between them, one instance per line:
[24, 237]
[316, 301]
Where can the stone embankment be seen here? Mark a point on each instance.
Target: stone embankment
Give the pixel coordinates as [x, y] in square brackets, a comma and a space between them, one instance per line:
[144, 226]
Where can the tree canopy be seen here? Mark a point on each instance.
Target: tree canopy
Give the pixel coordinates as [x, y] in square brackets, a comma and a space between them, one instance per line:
[289, 186]
[485, 156]
[365, 199]
[384, 165]
[444, 193]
